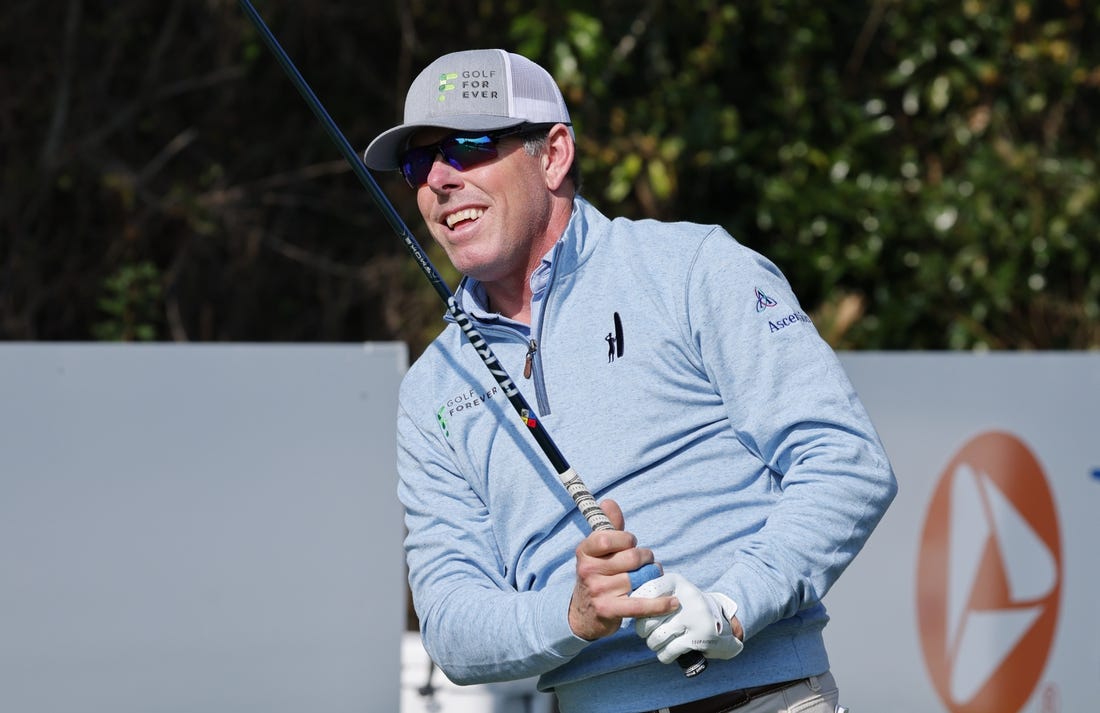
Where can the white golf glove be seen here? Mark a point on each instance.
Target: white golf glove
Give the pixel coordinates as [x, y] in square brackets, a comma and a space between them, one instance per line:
[702, 623]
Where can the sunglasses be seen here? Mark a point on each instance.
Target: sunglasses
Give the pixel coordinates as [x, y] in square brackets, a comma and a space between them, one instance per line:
[462, 151]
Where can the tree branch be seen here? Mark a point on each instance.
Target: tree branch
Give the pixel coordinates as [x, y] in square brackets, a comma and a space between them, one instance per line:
[60, 115]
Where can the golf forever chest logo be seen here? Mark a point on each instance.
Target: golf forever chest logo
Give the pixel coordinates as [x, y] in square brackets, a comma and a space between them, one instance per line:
[989, 577]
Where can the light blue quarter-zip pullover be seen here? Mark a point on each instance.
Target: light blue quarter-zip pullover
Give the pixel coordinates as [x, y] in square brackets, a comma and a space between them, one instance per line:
[678, 374]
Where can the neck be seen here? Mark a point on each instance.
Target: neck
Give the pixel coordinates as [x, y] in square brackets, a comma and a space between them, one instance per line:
[511, 296]
[511, 301]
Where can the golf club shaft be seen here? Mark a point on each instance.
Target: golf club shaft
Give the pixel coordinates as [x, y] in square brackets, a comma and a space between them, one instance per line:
[693, 662]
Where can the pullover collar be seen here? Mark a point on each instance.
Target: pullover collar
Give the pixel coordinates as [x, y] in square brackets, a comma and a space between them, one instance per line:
[576, 242]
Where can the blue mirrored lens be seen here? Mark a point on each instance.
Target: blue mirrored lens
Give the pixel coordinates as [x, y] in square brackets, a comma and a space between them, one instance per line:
[461, 152]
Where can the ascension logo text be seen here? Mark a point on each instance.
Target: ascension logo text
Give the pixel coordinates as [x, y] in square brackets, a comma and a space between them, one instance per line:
[989, 577]
[763, 302]
[784, 322]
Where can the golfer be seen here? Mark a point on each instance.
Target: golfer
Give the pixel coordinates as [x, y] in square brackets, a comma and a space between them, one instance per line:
[724, 439]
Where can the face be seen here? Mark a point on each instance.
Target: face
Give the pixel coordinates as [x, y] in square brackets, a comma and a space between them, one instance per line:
[493, 219]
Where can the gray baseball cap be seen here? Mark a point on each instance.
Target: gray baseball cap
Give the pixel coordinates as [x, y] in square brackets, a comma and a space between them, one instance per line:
[473, 90]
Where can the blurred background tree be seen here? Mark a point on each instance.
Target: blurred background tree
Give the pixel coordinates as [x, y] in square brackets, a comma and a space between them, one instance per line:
[924, 172]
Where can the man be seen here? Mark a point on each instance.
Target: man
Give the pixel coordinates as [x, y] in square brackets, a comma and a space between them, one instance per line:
[724, 429]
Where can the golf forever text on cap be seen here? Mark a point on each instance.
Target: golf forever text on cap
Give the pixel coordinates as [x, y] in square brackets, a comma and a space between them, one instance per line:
[473, 90]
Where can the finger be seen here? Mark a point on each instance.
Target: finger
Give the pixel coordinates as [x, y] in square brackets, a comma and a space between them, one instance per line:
[644, 626]
[646, 608]
[663, 636]
[675, 649]
[608, 552]
[614, 513]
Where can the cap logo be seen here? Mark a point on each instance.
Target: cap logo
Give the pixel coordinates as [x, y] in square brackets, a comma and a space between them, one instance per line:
[989, 577]
[445, 85]
[471, 91]
[476, 84]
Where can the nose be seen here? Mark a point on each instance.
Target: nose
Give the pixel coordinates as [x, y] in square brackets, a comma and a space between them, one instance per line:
[443, 176]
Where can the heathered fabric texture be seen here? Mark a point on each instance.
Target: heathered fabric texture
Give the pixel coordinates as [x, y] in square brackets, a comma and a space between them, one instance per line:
[726, 429]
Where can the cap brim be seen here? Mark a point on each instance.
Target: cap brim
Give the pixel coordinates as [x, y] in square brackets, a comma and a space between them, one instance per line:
[383, 152]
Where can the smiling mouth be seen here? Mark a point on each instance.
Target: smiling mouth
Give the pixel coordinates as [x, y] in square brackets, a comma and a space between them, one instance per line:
[461, 216]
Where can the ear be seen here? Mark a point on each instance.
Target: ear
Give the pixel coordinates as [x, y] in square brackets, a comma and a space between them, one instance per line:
[559, 156]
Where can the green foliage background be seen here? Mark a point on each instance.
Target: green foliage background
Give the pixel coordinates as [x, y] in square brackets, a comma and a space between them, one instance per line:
[924, 172]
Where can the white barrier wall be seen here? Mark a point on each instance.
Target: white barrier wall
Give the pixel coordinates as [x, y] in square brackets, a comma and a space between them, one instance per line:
[977, 594]
[216, 528]
[199, 528]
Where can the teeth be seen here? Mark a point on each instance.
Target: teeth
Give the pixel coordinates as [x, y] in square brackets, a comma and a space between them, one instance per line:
[468, 214]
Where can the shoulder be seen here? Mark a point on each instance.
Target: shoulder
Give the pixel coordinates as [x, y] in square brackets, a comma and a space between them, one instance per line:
[674, 243]
[681, 249]
[644, 234]
[429, 374]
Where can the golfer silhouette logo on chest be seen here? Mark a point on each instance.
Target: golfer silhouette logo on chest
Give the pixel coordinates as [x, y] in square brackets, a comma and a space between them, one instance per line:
[614, 341]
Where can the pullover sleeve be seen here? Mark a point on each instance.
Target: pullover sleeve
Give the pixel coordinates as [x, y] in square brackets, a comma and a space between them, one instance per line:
[477, 627]
[791, 404]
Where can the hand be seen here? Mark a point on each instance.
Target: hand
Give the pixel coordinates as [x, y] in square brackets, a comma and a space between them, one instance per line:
[703, 621]
[601, 595]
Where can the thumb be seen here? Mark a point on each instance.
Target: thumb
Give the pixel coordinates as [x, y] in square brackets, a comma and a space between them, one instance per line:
[614, 513]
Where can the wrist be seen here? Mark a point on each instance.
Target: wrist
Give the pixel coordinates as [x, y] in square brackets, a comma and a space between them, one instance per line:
[736, 628]
[729, 613]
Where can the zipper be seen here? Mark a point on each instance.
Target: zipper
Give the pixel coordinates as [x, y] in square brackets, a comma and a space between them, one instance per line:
[528, 361]
[534, 359]
[534, 356]
[530, 367]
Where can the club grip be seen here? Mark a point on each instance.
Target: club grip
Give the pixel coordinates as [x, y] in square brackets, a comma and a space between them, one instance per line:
[692, 663]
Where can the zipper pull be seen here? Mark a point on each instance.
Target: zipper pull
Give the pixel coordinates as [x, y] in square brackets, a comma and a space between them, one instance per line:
[528, 362]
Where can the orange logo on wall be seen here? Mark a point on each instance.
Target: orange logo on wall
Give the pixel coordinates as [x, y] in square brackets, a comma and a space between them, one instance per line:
[989, 577]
